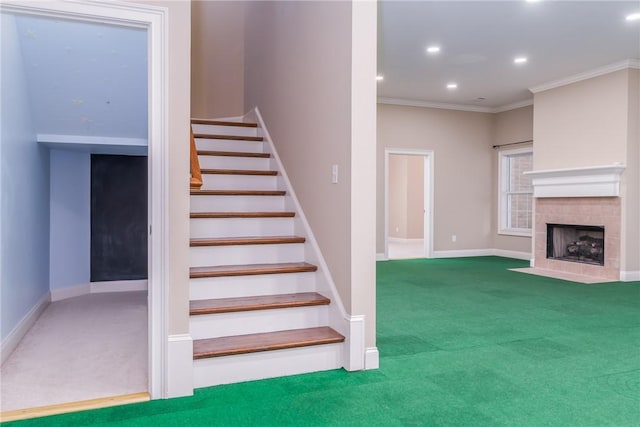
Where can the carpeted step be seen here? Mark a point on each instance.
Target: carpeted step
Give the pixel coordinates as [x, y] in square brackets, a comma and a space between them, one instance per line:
[252, 343]
[265, 302]
[251, 269]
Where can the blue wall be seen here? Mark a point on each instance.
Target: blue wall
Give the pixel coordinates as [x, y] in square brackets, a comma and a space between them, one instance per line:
[24, 228]
[70, 219]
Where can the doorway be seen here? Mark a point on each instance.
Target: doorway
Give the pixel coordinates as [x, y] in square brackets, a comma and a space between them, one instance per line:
[154, 21]
[408, 203]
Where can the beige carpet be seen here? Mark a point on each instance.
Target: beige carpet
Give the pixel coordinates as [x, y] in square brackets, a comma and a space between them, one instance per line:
[81, 348]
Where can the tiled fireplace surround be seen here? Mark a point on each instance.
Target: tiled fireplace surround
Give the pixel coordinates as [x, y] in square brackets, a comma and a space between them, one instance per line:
[598, 211]
[579, 196]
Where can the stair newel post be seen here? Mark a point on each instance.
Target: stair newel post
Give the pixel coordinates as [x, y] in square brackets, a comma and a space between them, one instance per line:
[196, 177]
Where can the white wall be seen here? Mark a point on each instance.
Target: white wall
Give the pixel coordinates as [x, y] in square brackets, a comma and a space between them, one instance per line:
[70, 219]
[508, 127]
[319, 104]
[217, 58]
[463, 176]
[594, 122]
[24, 277]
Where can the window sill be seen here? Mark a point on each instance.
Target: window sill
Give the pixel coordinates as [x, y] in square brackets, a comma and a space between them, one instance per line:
[514, 233]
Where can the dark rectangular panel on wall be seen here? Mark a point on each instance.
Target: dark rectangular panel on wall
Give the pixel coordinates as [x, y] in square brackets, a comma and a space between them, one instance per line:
[118, 217]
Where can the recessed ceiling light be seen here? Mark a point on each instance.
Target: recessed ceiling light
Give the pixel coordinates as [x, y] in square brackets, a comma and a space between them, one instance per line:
[633, 17]
[520, 60]
[433, 49]
[379, 78]
[452, 85]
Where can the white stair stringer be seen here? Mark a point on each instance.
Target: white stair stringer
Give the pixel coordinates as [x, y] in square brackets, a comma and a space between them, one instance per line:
[248, 220]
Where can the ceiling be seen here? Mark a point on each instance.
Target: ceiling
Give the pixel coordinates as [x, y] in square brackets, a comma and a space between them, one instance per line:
[480, 39]
[85, 78]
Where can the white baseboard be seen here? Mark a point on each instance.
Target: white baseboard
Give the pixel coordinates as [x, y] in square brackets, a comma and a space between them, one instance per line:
[70, 292]
[98, 288]
[12, 340]
[354, 344]
[371, 358]
[180, 365]
[119, 286]
[512, 254]
[381, 257]
[462, 253]
[404, 240]
[482, 252]
[629, 276]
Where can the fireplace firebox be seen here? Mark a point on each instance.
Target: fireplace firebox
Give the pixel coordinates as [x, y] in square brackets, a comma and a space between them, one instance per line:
[576, 243]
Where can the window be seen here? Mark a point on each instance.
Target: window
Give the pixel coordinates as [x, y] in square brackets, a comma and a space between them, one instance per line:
[516, 193]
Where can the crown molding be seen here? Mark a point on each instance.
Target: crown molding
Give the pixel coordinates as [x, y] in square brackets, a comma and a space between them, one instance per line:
[616, 66]
[428, 104]
[458, 107]
[513, 106]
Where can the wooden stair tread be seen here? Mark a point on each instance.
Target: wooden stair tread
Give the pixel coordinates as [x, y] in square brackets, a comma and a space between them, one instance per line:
[238, 172]
[233, 154]
[199, 215]
[265, 302]
[228, 137]
[251, 269]
[258, 240]
[238, 192]
[223, 123]
[241, 344]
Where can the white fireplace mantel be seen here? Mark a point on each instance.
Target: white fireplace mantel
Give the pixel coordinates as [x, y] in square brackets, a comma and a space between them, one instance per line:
[593, 181]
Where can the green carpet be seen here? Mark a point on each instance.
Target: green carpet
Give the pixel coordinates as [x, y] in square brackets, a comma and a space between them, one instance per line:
[463, 342]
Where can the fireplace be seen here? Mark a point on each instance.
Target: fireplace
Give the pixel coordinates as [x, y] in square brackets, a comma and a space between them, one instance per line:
[576, 243]
[586, 195]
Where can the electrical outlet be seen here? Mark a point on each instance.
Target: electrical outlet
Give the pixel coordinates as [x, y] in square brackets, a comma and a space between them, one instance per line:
[454, 238]
[397, 229]
[334, 174]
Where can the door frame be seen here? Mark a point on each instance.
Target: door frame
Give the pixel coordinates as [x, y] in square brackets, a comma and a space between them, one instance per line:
[155, 20]
[428, 156]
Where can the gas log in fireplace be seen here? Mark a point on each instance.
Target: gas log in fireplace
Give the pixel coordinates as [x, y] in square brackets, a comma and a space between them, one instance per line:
[576, 243]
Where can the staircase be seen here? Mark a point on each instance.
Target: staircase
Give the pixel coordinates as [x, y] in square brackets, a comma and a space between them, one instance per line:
[255, 310]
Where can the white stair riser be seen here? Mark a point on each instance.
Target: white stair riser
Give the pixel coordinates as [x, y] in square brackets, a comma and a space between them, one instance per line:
[266, 364]
[245, 254]
[229, 145]
[224, 130]
[234, 162]
[237, 203]
[239, 182]
[258, 321]
[246, 286]
[240, 227]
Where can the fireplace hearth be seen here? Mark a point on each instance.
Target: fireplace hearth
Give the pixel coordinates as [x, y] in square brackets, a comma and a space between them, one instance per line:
[576, 243]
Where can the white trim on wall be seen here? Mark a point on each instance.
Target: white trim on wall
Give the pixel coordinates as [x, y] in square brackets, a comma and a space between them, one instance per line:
[457, 107]
[428, 200]
[460, 253]
[98, 288]
[629, 276]
[95, 140]
[179, 365]
[600, 71]
[155, 20]
[592, 181]
[371, 358]
[11, 341]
